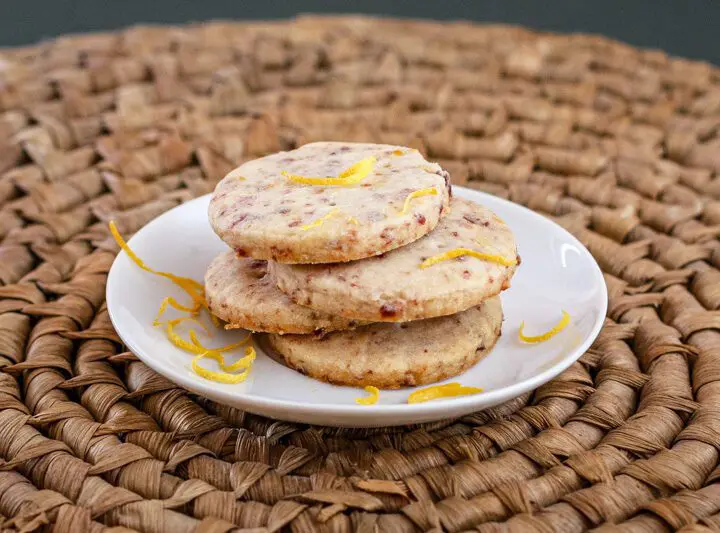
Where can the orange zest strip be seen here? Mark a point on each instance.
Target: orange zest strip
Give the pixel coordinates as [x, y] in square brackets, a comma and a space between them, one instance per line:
[430, 191]
[320, 221]
[398, 152]
[175, 321]
[234, 346]
[369, 400]
[216, 354]
[193, 288]
[564, 321]
[350, 176]
[457, 252]
[359, 170]
[243, 362]
[442, 391]
[172, 302]
[196, 291]
[224, 377]
[177, 340]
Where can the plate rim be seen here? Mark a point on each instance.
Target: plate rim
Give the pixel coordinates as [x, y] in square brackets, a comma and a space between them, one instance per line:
[429, 409]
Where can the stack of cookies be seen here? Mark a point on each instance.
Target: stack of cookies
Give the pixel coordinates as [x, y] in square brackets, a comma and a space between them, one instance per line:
[359, 264]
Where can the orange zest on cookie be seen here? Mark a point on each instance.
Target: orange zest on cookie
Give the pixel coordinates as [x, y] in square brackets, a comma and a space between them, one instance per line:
[359, 170]
[564, 321]
[196, 291]
[457, 252]
[442, 391]
[369, 400]
[398, 152]
[430, 191]
[320, 221]
[352, 175]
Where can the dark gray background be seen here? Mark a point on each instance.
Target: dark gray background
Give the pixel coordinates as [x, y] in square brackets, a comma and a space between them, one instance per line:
[686, 28]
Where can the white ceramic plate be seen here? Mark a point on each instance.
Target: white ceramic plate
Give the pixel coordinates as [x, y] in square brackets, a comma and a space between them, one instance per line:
[557, 273]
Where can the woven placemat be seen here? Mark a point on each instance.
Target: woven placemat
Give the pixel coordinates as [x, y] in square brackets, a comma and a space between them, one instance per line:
[618, 145]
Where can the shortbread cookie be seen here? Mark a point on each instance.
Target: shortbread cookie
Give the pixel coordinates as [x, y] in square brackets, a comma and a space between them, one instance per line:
[395, 287]
[242, 293]
[390, 356]
[329, 202]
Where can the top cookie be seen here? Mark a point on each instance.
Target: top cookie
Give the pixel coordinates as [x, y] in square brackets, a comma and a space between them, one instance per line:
[329, 202]
[470, 257]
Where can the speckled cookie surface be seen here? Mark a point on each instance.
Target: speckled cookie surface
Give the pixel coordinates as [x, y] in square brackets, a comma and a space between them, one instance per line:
[242, 293]
[390, 356]
[262, 213]
[394, 287]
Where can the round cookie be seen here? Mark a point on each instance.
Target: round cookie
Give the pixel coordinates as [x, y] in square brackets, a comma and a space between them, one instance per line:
[390, 356]
[260, 210]
[394, 288]
[242, 293]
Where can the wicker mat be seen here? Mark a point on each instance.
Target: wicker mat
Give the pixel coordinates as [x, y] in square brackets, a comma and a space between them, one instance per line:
[618, 145]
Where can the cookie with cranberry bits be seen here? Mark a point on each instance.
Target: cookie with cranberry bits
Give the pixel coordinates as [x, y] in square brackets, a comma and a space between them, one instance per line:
[242, 293]
[391, 356]
[329, 202]
[469, 257]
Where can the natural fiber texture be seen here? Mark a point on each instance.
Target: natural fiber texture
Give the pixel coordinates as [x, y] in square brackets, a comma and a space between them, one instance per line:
[618, 145]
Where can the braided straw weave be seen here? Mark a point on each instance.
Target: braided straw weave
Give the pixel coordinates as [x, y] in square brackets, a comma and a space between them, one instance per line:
[618, 145]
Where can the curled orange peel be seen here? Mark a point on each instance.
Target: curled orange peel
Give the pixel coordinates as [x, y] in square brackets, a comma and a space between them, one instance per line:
[193, 288]
[369, 400]
[196, 291]
[172, 302]
[175, 321]
[442, 391]
[352, 175]
[226, 376]
[430, 191]
[457, 252]
[229, 347]
[557, 328]
[178, 341]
